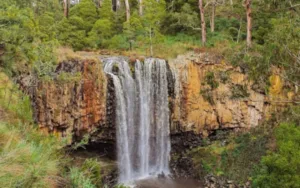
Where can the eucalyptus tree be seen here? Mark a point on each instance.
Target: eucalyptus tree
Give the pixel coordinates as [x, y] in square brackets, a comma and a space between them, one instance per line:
[154, 12]
[249, 22]
[203, 25]
[66, 7]
[127, 7]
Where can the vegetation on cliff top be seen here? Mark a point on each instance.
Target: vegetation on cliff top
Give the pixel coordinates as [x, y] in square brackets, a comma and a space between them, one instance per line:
[31, 29]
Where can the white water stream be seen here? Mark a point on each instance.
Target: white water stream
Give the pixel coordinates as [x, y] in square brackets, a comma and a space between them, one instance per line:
[142, 117]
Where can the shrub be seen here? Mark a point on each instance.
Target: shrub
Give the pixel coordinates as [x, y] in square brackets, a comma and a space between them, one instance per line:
[79, 180]
[87, 11]
[119, 42]
[72, 33]
[27, 160]
[239, 91]
[14, 102]
[282, 167]
[211, 81]
[101, 33]
[234, 157]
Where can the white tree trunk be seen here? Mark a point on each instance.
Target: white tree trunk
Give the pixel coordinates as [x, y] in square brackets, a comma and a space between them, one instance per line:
[249, 22]
[127, 7]
[140, 7]
[99, 3]
[212, 21]
[203, 26]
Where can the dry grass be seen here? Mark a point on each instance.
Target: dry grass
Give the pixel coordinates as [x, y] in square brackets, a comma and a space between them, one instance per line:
[66, 53]
[27, 159]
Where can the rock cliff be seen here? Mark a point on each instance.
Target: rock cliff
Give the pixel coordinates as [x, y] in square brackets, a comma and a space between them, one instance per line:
[205, 95]
[212, 95]
[73, 102]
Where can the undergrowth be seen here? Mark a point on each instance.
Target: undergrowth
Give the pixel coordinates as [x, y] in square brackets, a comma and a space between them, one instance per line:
[260, 156]
[30, 158]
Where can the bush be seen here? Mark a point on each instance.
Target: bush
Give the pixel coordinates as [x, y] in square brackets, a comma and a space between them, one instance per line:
[239, 91]
[233, 158]
[28, 160]
[211, 81]
[72, 32]
[14, 102]
[78, 179]
[282, 167]
[87, 11]
[119, 42]
[101, 33]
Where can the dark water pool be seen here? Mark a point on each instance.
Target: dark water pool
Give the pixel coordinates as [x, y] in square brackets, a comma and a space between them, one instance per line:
[167, 183]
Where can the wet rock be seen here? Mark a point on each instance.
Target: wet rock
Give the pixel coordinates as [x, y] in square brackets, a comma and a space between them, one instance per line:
[73, 103]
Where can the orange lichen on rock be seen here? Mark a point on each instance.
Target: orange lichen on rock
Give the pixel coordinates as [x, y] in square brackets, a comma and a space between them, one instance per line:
[73, 107]
[223, 111]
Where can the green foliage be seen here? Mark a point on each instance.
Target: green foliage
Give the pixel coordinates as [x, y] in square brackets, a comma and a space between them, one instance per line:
[92, 167]
[224, 76]
[134, 28]
[119, 42]
[106, 12]
[277, 41]
[186, 19]
[291, 114]
[65, 77]
[86, 175]
[79, 179]
[233, 157]
[14, 101]
[282, 167]
[83, 142]
[79, 31]
[207, 92]
[25, 42]
[239, 91]
[207, 95]
[72, 32]
[211, 81]
[101, 33]
[27, 160]
[87, 11]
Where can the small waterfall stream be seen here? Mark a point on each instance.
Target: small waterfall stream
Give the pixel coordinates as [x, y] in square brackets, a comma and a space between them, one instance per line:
[142, 117]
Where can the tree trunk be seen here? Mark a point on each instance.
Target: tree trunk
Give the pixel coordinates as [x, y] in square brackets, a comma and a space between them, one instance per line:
[99, 3]
[203, 27]
[249, 22]
[239, 31]
[151, 47]
[127, 10]
[212, 21]
[140, 7]
[66, 8]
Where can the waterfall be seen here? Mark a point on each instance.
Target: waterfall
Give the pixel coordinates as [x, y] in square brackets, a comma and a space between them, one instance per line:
[142, 117]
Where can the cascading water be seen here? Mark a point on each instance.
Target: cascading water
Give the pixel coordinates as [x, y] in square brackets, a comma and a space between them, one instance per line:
[142, 111]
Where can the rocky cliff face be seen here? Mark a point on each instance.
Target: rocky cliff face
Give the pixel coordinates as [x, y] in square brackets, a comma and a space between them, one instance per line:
[211, 95]
[73, 102]
[205, 95]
